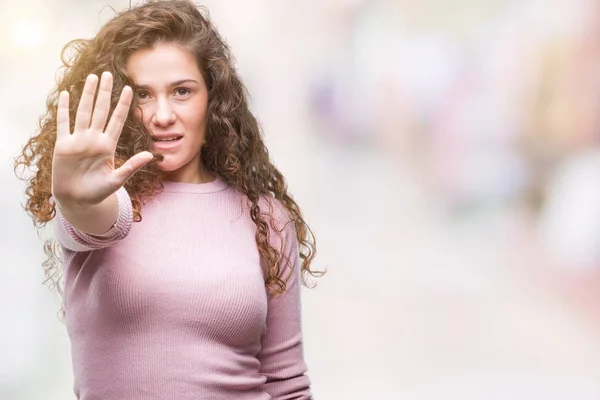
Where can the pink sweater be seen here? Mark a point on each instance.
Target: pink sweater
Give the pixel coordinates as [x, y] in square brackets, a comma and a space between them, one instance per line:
[175, 306]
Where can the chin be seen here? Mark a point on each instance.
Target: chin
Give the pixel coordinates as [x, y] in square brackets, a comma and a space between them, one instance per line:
[169, 166]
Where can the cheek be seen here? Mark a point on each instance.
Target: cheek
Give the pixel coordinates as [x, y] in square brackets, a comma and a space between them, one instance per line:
[143, 115]
[194, 120]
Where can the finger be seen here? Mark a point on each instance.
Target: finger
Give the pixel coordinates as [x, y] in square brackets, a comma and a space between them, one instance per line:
[63, 128]
[86, 104]
[102, 106]
[131, 166]
[117, 120]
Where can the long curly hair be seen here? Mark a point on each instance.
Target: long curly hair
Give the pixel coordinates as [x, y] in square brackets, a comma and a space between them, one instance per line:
[234, 149]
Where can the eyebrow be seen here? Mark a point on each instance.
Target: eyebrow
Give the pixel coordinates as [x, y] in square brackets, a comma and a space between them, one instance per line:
[176, 83]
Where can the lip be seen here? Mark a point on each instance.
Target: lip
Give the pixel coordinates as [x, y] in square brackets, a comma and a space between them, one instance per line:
[166, 145]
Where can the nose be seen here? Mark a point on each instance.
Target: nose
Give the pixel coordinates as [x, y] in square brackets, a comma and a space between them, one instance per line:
[163, 113]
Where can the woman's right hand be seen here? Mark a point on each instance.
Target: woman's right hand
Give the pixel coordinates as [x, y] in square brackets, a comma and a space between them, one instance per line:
[83, 168]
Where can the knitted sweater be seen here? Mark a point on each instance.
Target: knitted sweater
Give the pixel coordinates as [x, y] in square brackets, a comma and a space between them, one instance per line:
[175, 306]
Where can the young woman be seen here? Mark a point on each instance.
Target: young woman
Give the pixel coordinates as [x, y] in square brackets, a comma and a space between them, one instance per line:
[183, 251]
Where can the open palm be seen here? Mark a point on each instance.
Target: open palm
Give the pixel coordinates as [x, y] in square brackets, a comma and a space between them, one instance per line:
[83, 169]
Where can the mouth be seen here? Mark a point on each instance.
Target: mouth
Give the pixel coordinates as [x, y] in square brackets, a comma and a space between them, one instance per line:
[167, 139]
[168, 142]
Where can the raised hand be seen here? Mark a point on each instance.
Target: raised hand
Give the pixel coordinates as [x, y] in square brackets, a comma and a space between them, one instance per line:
[83, 170]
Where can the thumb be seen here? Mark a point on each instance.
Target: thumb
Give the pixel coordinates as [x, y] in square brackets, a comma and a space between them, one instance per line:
[131, 166]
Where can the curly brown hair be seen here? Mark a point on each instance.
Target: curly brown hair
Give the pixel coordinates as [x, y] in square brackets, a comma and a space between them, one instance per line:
[234, 149]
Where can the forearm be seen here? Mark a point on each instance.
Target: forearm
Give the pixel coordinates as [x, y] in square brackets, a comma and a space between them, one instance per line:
[92, 219]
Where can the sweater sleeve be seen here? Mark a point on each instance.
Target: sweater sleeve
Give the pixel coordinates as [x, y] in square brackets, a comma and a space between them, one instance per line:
[281, 356]
[75, 240]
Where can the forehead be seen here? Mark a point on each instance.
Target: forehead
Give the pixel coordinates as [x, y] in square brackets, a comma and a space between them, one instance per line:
[162, 63]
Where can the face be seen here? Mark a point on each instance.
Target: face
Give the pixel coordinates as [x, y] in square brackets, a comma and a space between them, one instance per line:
[173, 100]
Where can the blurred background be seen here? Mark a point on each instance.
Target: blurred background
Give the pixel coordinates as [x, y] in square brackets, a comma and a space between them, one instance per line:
[447, 155]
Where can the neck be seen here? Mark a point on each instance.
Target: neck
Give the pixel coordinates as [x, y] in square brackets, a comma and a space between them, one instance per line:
[201, 175]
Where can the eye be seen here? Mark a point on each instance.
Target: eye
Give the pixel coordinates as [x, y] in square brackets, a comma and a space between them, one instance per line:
[142, 95]
[182, 91]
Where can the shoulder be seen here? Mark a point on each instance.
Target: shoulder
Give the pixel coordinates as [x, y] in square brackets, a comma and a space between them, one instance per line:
[276, 213]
